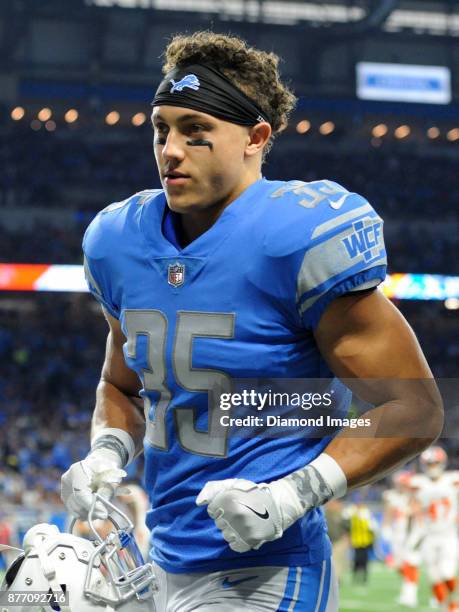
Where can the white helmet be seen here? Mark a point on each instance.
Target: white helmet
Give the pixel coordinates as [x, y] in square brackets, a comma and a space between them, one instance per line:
[80, 575]
[433, 461]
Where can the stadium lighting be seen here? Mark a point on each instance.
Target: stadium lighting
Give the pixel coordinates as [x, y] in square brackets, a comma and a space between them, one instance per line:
[402, 131]
[71, 115]
[452, 304]
[379, 130]
[433, 132]
[139, 119]
[112, 117]
[17, 113]
[35, 125]
[453, 135]
[45, 114]
[303, 126]
[327, 128]
[50, 126]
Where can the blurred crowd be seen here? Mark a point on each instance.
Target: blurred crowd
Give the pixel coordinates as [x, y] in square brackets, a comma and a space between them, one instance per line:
[51, 351]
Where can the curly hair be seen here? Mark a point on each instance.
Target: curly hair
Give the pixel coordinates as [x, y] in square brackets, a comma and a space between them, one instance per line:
[253, 71]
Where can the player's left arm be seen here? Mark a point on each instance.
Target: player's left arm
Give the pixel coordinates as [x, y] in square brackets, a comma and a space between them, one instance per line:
[364, 336]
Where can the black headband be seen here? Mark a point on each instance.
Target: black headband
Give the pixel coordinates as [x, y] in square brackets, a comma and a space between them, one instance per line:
[205, 89]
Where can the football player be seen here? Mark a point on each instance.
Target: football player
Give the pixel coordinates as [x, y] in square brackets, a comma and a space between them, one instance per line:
[223, 274]
[400, 521]
[437, 495]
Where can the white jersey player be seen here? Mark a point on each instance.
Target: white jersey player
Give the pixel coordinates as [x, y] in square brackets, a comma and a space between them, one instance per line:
[400, 526]
[396, 515]
[437, 495]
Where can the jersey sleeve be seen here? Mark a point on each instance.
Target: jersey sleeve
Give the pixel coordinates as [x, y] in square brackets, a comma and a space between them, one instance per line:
[96, 247]
[100, 288]
[345, 253]
[108, 246]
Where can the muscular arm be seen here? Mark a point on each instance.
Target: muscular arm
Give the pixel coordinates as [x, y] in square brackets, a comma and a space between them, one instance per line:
[364, 336]
[117, 399]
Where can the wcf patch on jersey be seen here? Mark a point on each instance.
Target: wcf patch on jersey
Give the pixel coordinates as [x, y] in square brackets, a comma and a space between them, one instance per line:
[366, 240]
[176, 274]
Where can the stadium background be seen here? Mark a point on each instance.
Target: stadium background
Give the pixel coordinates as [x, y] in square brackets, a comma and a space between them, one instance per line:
[76, 80]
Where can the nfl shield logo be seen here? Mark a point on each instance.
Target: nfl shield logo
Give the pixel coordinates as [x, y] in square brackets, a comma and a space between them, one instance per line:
[176, 274]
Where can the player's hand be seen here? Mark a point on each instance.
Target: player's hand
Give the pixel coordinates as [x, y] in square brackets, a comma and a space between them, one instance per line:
[99, 473]
[250, 514]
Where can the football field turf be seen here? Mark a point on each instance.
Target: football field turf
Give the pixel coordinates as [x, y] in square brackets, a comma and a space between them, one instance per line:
[380, 594]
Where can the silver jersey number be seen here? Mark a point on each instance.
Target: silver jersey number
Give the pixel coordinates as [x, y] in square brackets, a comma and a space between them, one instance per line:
[190, 325]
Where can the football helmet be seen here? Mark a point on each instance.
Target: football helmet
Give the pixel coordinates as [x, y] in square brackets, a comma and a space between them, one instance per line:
[433, 461]
[97, 575]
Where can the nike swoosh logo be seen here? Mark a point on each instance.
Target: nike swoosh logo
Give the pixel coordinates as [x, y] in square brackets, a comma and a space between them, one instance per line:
[227, 584]
[263, 516]
[338, 203]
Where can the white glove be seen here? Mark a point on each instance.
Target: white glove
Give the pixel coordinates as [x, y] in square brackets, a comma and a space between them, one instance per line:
[99, 473]
[250, 514]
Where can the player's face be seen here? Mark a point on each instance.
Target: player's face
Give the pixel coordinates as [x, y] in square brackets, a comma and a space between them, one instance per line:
[435, 469]
[200, 158]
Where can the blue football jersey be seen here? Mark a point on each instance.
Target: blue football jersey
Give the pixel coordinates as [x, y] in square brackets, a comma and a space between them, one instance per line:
[240, 301]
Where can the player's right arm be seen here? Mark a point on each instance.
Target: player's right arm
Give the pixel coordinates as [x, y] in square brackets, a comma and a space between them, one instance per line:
[117, 424]
[116, 434]
[117, 399]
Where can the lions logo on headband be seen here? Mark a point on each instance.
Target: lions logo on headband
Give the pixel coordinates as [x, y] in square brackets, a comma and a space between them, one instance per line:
[210, 92]
[190, 80]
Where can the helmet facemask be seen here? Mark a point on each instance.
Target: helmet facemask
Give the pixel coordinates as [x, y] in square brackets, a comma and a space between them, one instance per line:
[95, 575]
[120, 559]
